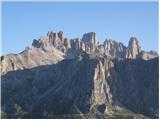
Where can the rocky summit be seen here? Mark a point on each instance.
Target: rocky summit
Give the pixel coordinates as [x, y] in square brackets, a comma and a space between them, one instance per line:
[59, 77]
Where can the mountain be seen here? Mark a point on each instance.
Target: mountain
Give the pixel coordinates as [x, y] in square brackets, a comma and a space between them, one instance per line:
[59, 77]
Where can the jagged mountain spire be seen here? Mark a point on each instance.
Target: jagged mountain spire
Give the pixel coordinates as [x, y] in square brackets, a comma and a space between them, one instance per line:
[134, 47]
[59, 47]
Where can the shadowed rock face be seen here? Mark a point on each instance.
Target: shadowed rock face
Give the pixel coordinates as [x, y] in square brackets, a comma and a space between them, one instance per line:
[53, 88]
[136, 85]
[85, 84]
[59, 77]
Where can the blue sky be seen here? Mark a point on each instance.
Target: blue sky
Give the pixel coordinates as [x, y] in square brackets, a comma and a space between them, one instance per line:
[24, 21]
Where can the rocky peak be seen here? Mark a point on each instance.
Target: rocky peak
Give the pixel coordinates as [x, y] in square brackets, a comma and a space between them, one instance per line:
[91, 40]
[77, 43]
[90, 43]
[109, 43]
[67, 43]
[42, 42]
[114, 49]
[133, 47]
[61, 36]
[56, 38]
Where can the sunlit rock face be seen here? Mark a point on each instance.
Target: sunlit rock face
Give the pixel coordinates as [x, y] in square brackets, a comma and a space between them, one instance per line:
[114, 49]
[134, 48]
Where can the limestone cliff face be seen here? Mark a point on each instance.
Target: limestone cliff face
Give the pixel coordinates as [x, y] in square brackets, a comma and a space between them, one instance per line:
[55, 47]
[114, 49]
[56, 38]
[88, 85]
[41, 53]
[58, 76]
[136, 85]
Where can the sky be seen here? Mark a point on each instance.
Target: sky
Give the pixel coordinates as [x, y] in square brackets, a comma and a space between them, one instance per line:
[24, 21]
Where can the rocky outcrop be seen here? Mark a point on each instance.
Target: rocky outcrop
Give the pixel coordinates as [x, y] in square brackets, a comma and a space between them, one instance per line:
[67, 43]
[61, 37]
[134, 48]
[114, 49]
[83, 46]
[147, 55]
[58, 47]
[55, 38]
[31, 57]
[101, 90]
[91, 40]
